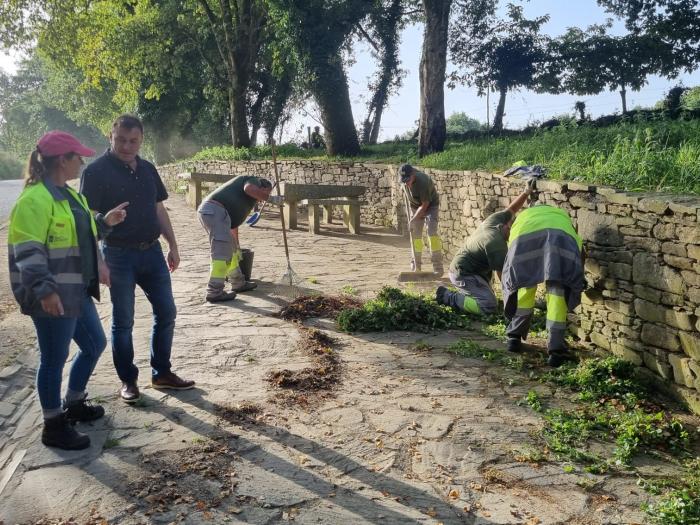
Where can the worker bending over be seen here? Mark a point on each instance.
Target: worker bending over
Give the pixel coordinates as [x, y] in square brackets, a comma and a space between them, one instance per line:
[543, 247]
[484, 252]
[221, 213]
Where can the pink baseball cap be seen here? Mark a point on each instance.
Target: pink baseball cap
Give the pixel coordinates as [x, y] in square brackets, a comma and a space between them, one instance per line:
[56, 143]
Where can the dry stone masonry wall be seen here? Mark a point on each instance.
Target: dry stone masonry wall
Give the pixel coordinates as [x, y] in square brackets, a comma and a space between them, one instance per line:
[643, 251]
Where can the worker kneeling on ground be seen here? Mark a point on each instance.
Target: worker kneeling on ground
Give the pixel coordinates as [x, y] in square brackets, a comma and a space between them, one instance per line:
[221, 213]
[425, 208]
[484, 252]
[543, 248]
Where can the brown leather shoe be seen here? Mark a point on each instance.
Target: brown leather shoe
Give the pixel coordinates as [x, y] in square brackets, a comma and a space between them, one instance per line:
[130, 392]
[171, 381]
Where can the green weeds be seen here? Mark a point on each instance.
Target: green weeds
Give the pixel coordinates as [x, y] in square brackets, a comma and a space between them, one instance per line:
[679, 501]
[394, 309]
[349, 290]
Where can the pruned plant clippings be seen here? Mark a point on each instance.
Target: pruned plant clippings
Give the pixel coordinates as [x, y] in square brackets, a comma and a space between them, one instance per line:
[308, 306]
[394, 309]
[296, 386]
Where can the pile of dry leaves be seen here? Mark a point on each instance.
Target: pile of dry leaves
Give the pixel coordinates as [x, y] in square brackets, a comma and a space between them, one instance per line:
[325, 306]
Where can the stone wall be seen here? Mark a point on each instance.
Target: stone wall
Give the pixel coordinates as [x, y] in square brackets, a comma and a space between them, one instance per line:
[643, 264]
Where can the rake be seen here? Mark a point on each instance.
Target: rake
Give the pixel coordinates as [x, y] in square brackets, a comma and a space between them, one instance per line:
[290, 277]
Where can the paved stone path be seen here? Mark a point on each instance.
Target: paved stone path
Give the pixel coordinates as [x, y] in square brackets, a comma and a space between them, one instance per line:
[409, 436]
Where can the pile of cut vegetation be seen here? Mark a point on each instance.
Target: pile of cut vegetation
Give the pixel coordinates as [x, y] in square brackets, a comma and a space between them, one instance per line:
[394, 309]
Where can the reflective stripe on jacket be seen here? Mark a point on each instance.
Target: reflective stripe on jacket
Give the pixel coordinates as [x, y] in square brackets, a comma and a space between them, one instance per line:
[44, 255]
[543, 246]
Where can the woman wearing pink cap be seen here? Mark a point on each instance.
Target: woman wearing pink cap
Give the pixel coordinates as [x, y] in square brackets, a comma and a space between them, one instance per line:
[55, 271]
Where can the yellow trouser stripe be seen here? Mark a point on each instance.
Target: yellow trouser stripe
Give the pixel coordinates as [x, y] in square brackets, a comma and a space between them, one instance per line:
[235, 263]
[435, 243]
[471, 306]
[526, 297]
[418, 245]
[218, 269]
[556, 308]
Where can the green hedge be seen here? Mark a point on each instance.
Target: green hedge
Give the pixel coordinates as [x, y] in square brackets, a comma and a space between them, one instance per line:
[637, 155]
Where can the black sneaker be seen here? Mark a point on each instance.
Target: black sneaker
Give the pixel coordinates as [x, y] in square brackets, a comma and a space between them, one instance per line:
[440, 294]
[221, 297]
[59, 432]
[514, 345]
[83, 410]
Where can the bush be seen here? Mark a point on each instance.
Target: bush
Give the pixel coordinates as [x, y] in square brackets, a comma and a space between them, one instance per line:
[690, 100]
[10, 168]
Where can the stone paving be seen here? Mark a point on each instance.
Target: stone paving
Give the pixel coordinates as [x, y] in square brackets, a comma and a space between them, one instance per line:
[409, 436]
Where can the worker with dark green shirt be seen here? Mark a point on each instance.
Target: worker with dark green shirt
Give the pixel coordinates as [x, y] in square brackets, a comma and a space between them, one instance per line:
[425, 209]
[484, 252]
[221, 213]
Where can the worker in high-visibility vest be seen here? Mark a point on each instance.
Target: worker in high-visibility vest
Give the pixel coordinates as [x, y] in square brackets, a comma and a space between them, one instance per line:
[543, 247]
[55, 272]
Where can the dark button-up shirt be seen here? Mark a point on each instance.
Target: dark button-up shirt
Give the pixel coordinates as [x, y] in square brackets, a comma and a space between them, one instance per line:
[107, 182]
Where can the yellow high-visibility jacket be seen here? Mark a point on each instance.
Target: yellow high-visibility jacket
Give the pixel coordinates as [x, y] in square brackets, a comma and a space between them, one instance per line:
[44, 254]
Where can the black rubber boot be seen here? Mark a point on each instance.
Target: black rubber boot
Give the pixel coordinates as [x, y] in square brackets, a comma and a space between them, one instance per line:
[83, 410]
[58, 432]
[440, 295]
[514, 345]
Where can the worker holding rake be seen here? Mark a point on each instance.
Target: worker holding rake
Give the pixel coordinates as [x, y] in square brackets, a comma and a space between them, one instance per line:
[221, 213]
[425, 208]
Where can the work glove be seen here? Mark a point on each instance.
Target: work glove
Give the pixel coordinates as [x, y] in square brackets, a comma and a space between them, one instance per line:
[532, 185]
[277, 200]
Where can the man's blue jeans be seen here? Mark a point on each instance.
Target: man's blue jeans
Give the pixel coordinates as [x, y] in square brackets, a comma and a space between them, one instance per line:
[146, 268]
[54, 335]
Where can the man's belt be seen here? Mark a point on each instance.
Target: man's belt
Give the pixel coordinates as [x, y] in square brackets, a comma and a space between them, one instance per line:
[117, 243]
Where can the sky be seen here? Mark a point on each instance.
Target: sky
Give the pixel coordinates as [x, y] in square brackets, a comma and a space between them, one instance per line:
[522, 107]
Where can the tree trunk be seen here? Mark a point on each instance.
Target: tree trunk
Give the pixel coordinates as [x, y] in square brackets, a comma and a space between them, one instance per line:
[623, 95]
[161, 147]
[239, 117]
[500, 110]
[432, 130]
[376, 124]
[330, 90]
[387, 78]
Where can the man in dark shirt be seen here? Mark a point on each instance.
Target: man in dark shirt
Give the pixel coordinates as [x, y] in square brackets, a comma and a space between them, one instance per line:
[425, 208]
[484, 252]
[133, 253]
[221, 213]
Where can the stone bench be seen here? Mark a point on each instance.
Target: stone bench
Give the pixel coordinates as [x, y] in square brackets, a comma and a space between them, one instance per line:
[295, 193]
[194, 184]
[351, 213]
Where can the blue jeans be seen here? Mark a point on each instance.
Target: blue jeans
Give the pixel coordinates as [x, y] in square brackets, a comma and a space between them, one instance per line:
[147, 268]
[54, 335]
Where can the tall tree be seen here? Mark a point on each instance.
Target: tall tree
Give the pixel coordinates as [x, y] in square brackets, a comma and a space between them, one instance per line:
[433, 63]
[239, 28]
[675, 23]
[318, 30]
[383, 33]
[595, 60]
[510, 54]
[28, 105]
[149, 50]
